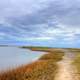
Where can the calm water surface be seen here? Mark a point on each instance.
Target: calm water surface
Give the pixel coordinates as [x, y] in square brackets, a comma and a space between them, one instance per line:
[13, 56]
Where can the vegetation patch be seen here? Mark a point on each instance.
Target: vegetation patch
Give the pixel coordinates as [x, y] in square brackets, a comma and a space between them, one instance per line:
[76, 61]
[43, 69]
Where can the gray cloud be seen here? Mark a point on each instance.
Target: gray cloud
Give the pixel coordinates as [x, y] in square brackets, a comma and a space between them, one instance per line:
[51, 19]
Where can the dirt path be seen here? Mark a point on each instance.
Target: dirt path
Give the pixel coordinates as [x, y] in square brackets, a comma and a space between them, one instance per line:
[66, 71]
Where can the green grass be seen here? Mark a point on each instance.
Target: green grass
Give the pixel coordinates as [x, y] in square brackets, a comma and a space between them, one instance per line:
[43, 49]
[43, 69]
[35, 48]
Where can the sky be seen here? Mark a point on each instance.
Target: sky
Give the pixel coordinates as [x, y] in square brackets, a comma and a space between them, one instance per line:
[54, 23]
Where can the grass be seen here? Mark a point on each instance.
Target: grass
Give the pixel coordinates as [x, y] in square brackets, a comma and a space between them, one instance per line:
[43, 69]
[54, 56]
[74, 50]
[35, 47]
[36, 71]
[45, 49]
[76, 61]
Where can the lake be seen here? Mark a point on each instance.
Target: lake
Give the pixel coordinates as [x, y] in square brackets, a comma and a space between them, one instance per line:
[11, 57]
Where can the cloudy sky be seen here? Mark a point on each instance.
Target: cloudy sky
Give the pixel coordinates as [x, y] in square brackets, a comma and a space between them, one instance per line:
[40, 22]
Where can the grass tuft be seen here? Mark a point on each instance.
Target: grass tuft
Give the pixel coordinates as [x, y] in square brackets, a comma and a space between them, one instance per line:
[43, 69]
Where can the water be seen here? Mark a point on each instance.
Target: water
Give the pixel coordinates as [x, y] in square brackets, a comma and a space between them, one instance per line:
[13, 56]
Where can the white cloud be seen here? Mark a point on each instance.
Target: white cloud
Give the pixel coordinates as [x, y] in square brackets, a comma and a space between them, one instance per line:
[40, 20]
[33, 39]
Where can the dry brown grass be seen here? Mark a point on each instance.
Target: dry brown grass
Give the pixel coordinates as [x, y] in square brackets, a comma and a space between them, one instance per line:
[43, 69]
[76, 61]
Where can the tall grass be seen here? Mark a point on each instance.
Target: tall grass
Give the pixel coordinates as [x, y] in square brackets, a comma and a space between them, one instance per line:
[43, 69]
[76, 61]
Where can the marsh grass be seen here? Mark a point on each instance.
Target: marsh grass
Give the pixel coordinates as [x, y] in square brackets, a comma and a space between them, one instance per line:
[76, 61]
[43, 69]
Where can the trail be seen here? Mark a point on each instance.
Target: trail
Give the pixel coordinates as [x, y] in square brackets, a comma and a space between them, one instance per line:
[65, 70]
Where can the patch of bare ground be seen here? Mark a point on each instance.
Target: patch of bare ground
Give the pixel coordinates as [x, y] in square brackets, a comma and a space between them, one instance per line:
[66, 71]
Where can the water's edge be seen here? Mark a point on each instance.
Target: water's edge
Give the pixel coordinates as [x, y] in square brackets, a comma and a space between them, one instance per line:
[11, 57]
